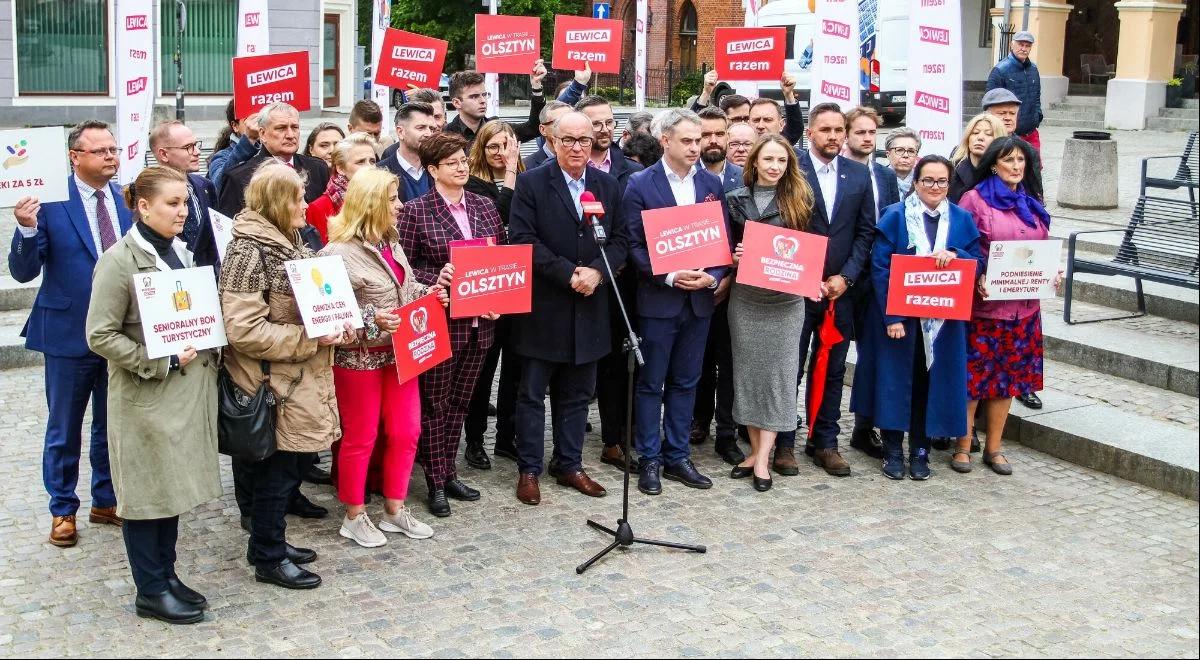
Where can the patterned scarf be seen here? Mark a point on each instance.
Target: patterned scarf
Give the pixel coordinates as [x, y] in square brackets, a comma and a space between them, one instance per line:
[336, 189]
[999, 196]
[918, 240]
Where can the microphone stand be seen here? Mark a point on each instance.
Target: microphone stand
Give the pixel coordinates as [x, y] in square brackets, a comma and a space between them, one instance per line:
[623, 536]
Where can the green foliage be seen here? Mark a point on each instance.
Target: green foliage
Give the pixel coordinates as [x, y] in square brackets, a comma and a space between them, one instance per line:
[688, 86]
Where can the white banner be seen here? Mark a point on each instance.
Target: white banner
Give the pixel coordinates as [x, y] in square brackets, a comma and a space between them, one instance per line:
[33, 163]
[222, 226]
[252, 35]
[134, 54]
[835, 69]
[935, 86]
[179, 308]
[381, 20]
[491, 81]
[639, 48]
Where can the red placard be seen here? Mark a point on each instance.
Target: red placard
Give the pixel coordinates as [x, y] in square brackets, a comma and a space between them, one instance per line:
[260, 80]
[919, 289]
[410, 59]
[750, 53]
[423, 339]
[491, 279]
[507, 44]
[782, 259]
[579, 40]
[689, 237]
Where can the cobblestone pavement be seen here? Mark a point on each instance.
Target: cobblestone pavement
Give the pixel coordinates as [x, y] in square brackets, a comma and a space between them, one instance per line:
[1054, 561]
[1128, 395]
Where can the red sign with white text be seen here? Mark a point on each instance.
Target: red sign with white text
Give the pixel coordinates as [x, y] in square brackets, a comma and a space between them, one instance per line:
[260, 80]
[750, 53]
[507, 44]
[918, 288]
[491, 279]
[410, 59]
[423, 339]
[579, 40]
[782, 259]
[690, 237]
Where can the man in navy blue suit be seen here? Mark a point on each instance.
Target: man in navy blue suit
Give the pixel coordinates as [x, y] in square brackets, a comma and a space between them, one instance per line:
[674, 310]
[845, 213]
[175, 146]
[61, 241]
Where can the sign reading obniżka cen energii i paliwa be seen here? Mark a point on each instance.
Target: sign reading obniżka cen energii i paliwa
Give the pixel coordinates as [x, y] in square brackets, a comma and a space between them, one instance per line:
[407, 59]
[579, 41]
[323, 295]
[260, 80]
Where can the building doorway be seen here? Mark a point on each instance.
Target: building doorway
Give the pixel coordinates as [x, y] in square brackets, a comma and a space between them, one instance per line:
[331, 60]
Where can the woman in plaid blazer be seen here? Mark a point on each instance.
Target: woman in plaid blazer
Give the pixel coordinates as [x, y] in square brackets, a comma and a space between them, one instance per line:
[427, 226]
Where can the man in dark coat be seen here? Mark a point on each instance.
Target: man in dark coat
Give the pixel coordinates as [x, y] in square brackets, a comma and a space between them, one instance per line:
[567, 332]
[175, 146]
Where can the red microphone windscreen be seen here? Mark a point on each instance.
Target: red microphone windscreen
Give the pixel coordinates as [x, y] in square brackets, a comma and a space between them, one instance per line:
[590, 206]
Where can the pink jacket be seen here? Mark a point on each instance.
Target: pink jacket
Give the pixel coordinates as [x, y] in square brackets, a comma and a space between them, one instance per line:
[995, 225]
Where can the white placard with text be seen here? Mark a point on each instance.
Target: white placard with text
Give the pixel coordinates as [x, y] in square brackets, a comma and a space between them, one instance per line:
[1023, 270]
[180, 308]
[33, 163]
[323, 294]
[222, 226]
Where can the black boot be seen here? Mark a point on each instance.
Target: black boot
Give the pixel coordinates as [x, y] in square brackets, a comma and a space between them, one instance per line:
[168, 607]
[475, 455]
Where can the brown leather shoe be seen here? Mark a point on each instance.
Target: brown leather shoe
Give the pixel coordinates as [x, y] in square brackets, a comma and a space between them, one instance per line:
[614, 455]
[105, 516]
[785, 462]
[582, 483]
[832, 462]
[528, 491]
[62, 532]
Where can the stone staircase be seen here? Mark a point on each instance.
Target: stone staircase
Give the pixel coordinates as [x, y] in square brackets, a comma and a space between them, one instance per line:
[1081, 112]
[1186, 118]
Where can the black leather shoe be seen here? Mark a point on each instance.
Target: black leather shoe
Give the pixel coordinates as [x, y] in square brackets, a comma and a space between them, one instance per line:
[295, 555]
[1031, 400]
[506, 449]
[649, 481]
[315, 475]
[438, 505]
[186, 593]
[246, 523]
[728, 450]
[940, 444]
[685, 472]
[168, 607]
[476, 456]
[762, 485]
[867, 441]
[288, 575]
[301, 506]
[457, 490]
[739, 472]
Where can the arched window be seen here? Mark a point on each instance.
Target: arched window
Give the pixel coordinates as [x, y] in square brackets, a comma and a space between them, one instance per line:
[688, 34]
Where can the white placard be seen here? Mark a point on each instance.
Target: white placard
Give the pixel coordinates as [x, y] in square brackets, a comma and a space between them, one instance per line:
[639, 57]
[835, 68]
[33, 163]
[136, 83]
[381, 20]
[252, 35]
[935, 87]
[323, 294]
[222, 226]
[1023, 270]
[180, 308]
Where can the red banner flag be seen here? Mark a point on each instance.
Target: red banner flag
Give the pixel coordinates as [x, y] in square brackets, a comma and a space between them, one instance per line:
[491, 279]
[410, 59]
[688, 237]
[579, 40]
[423, 339]
[507, 44]
[918, 288]
[260, 80]
[750, 53]
[782, 259]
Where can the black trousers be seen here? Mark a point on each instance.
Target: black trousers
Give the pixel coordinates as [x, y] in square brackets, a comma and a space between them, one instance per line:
[272, 484]
[509, 362]
[825, 426]
[150, 547]
[243, 479]
[893, 440]
[571, 387]
[612, 371]
[714, 394]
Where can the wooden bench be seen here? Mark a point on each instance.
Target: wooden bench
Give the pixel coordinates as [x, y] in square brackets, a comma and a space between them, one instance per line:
[1160, 244]
[1185, 173]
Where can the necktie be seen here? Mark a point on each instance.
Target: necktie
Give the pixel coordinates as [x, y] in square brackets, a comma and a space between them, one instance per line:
[577, 190]
[107, 235]
[191, 226]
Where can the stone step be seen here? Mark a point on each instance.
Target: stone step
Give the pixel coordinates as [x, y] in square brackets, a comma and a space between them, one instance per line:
[14, 295]
[13, 353]
[1080, 124]
[1092, 101]
[1191, 104]
[1181, 113]
[1170, 124]
[1076, 107]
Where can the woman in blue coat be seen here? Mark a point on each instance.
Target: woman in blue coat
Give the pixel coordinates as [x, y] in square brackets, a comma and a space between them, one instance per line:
[912, 373]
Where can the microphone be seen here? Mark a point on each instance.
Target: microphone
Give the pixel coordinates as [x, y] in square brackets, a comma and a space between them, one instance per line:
[592, 212]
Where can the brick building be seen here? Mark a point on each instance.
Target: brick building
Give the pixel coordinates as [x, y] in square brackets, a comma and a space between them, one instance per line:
[679, 31]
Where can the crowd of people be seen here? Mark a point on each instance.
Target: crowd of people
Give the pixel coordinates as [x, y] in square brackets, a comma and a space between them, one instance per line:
[715, 349]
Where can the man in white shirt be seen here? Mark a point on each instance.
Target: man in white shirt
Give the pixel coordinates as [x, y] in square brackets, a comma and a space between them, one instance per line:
[414, 123]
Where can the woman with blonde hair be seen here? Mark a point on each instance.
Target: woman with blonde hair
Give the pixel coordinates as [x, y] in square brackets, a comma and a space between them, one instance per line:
[348, 156]
[978, 135]
[371, 397]
[268, 344]
[765, 364]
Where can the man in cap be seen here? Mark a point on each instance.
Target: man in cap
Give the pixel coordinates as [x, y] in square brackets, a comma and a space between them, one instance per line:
[1003, 105]
[1018, 74]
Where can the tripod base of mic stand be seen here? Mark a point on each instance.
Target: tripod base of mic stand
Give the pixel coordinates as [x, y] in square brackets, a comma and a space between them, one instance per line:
[623, 537]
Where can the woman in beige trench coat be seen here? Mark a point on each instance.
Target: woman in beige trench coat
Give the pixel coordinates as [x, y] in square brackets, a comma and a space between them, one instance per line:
[162, 412]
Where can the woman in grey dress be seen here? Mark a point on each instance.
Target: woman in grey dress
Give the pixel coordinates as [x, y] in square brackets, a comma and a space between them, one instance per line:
[764, 325]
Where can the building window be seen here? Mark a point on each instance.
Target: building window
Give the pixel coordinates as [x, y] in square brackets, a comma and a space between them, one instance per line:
[688, 33]
[209, 43]
[985, 24]
[62, 46]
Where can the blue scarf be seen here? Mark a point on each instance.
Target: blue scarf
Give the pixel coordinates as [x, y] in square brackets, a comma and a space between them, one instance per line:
[999, 196]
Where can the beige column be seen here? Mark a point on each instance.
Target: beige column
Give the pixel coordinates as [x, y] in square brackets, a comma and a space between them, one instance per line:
[1048, 23]
[1145, 59]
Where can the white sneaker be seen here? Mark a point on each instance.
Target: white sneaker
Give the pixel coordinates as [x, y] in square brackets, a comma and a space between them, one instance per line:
[404, 523]
[362, 531]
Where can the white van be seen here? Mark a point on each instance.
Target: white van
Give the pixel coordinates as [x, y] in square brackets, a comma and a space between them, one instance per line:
[883, 30]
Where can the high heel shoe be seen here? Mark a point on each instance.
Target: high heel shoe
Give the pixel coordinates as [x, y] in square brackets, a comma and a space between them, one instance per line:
[762, 485]
[739, 472]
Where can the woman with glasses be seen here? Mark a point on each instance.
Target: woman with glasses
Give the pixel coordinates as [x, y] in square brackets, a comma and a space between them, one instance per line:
[912, 372]
[321, 141]
[347, 157]
[428, 225]
[903, 145]
[1004, 347]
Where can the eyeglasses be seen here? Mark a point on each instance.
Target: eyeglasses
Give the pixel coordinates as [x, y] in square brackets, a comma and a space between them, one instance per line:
[480, 96]
[740, 145]
[714, 134]
[599, 125]
[903, 151]
[455, 164]
[934, 183]
[99, 153]
[570, 142]
[494, 148]
[194, 146]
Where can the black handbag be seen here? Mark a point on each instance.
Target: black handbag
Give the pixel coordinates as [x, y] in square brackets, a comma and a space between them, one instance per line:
[245, 423]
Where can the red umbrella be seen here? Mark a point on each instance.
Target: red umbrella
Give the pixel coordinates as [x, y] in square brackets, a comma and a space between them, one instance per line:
[829, 336]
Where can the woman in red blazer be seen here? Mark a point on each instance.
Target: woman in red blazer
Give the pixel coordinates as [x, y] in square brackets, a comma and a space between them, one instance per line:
[427, 226]
[349, 155]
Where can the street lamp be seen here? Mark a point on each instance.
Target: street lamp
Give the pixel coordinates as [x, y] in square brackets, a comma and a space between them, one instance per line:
[180, 25]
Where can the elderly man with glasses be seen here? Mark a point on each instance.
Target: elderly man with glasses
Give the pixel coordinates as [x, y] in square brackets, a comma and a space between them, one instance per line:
[175, 146]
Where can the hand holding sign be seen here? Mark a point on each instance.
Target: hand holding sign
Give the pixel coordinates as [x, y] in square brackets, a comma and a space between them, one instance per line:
[507, 44]
[261, 80]
[686, 238]
[33, 166]
[407, 59]
[581, 41]
[919, 288]
[750, 53]
[488, 281]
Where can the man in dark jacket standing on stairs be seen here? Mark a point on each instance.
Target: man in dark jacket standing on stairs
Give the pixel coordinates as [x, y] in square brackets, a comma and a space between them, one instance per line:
[1018, 74]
